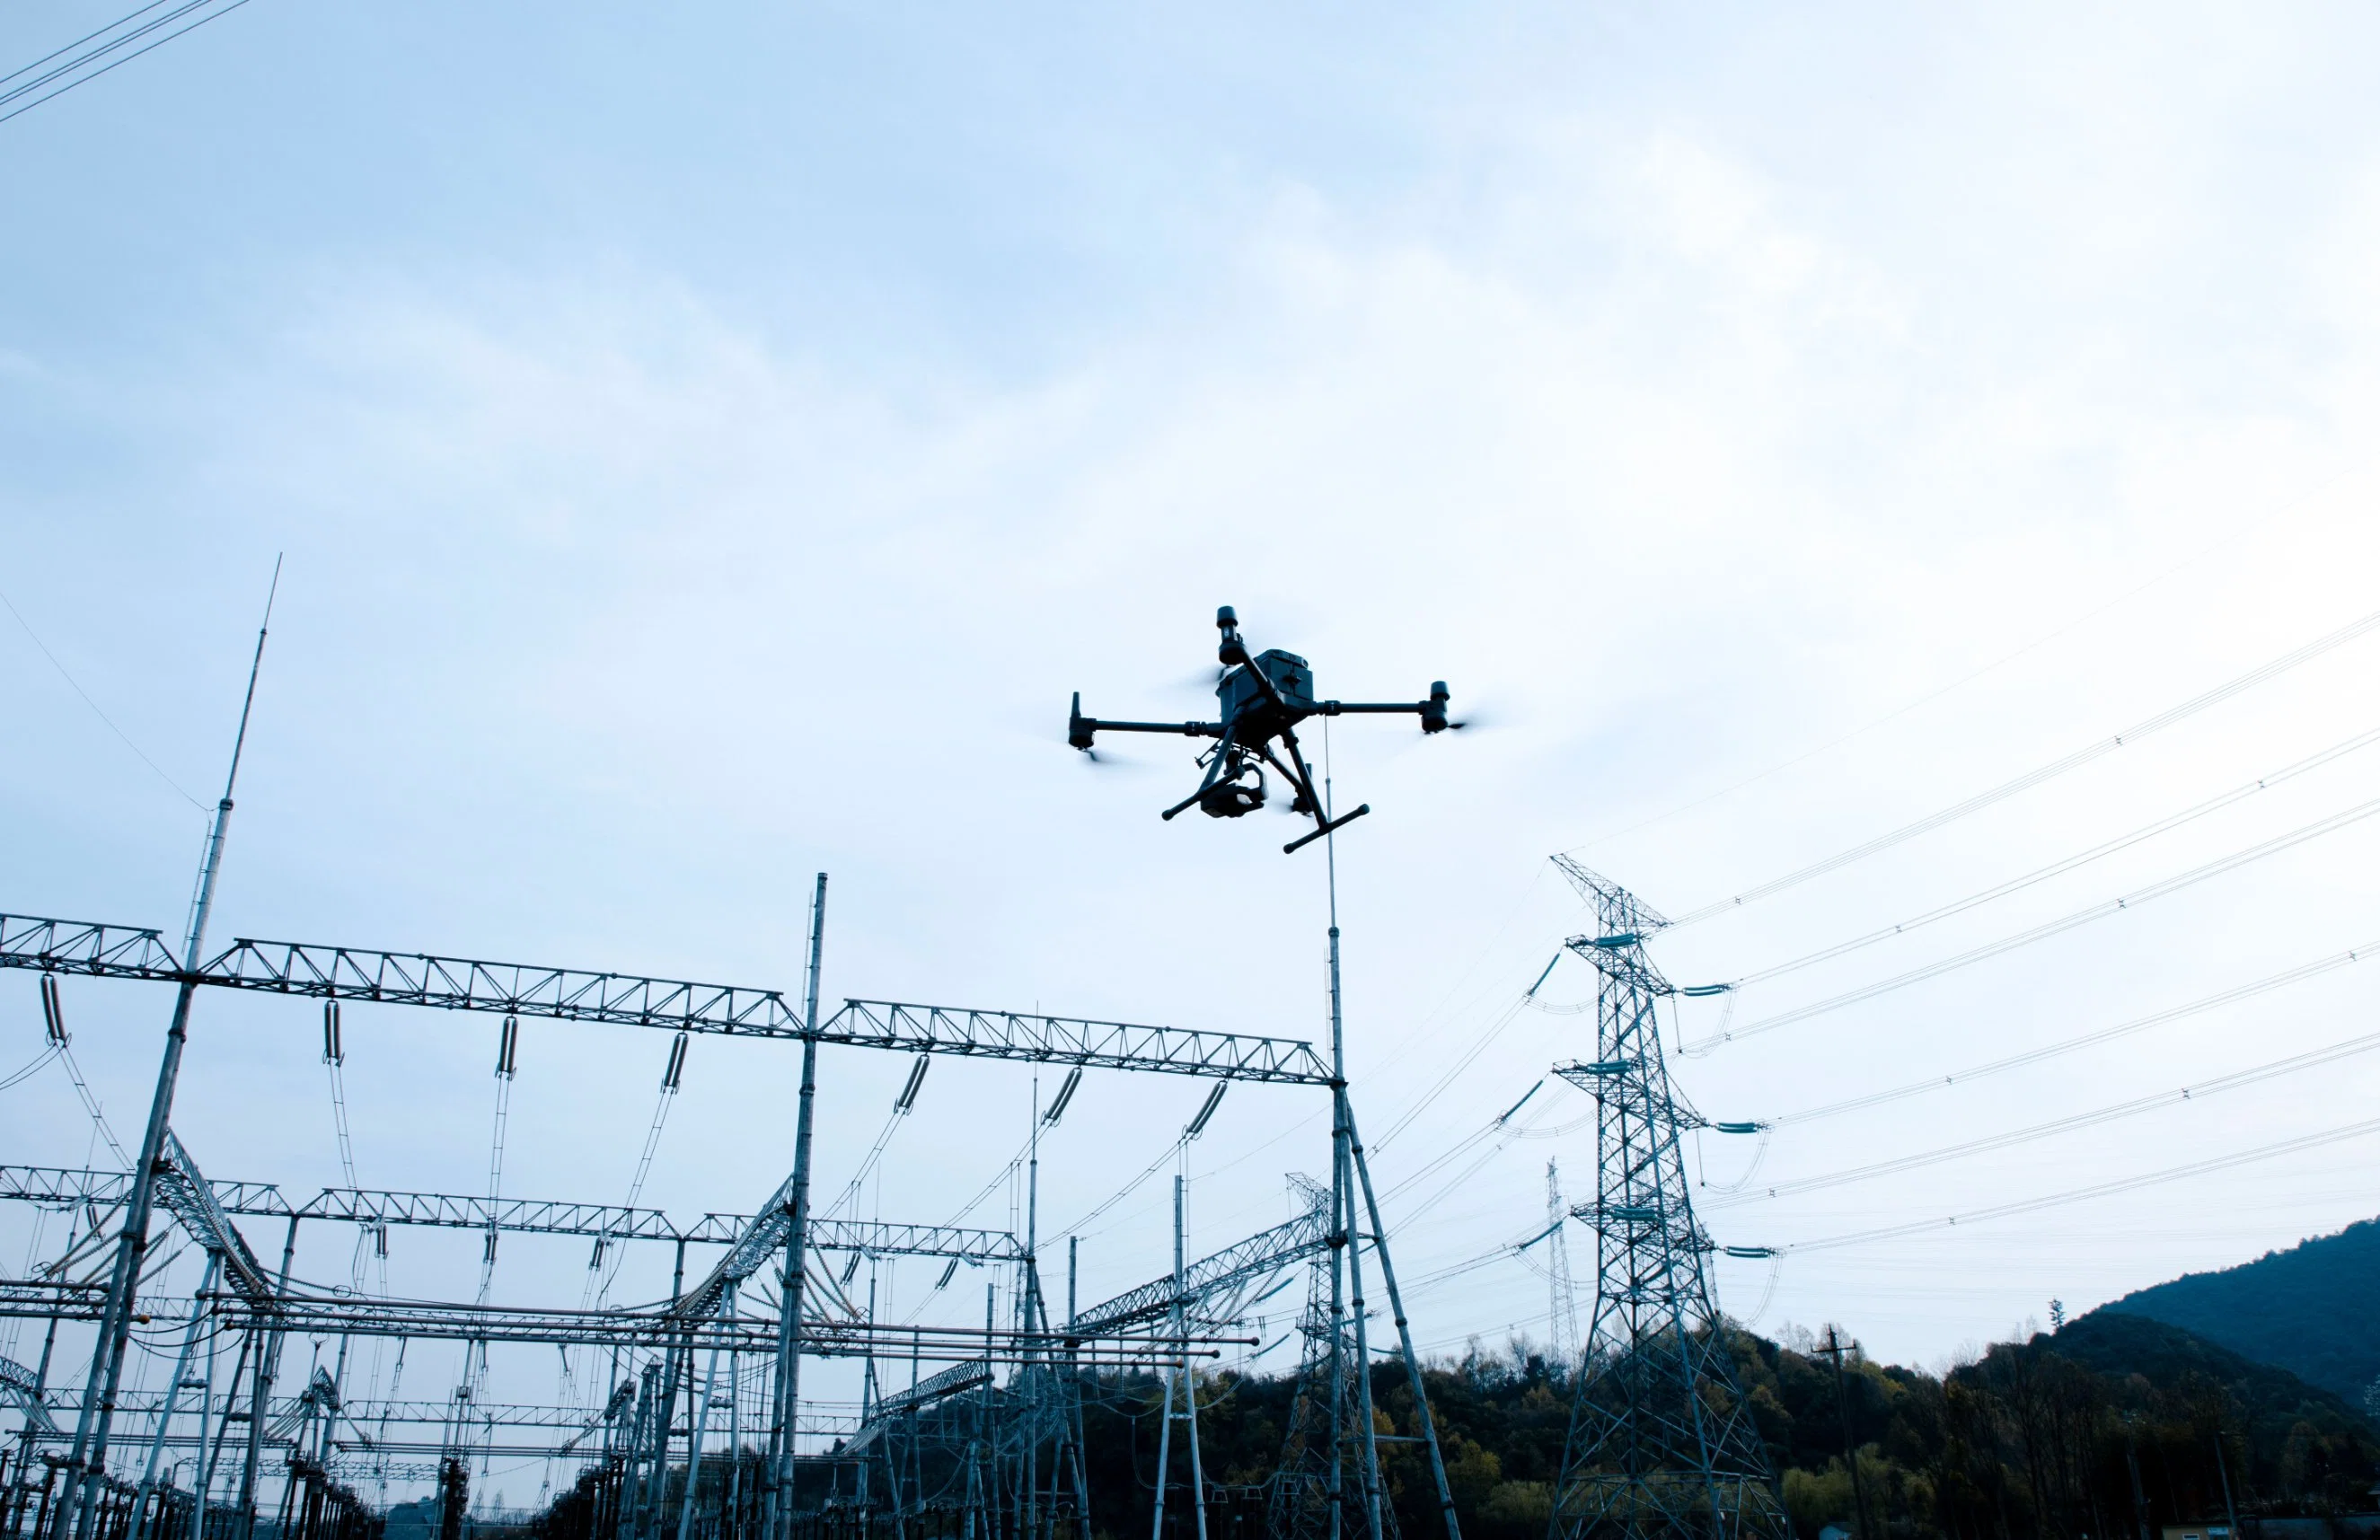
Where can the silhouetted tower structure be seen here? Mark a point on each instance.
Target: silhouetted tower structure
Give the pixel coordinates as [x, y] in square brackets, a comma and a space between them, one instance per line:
[1562, 1320]
[1661, 1445]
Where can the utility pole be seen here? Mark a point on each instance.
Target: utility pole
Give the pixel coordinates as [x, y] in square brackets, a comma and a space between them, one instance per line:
[88, 1464]
[2133, 1463]
[268, 1362]
[2231, 1514]
[1834, 1349]
[1179, 1380]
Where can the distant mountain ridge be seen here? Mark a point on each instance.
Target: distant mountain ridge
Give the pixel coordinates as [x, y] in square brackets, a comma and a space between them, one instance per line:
[2310, 1309]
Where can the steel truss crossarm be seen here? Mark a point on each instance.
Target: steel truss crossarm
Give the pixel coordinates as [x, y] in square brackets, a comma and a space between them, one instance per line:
[65, 1186]
[402, 979]
[21, 1385]
[956, 1380]
[763, 1235]
[1258, 1257]
[825, 1338]
[1069, 1040]
[80, 946]
[676, 1005]
[185, 1194]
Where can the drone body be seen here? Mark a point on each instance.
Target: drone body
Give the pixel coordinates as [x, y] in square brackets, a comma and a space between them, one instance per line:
[1261, 700]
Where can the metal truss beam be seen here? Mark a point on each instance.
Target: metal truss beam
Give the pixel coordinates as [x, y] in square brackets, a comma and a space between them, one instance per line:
[1069, 1040]
[403, 978]
[746, 1254]
[45, 1297]
[19, 1385]
[65, 1186]
[764, 1234]
[79, 946]
[677, 1005]
[325, 1316]
[184, 1192]
[1258, 1257]
[875, 1238]
[954, 1381]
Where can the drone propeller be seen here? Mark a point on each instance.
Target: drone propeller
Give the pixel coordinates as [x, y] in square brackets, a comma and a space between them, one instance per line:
[1197, 682]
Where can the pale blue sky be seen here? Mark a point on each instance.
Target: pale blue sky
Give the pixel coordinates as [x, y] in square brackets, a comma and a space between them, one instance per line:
[711, 445]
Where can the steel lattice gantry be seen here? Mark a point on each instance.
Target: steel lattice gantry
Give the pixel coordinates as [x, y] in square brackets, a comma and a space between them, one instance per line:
[677, 1005]
[707, 1317]
[1258, 1258]
[63, 1186]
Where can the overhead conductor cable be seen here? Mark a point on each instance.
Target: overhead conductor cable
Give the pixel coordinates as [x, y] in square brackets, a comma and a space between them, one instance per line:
[2034, 777]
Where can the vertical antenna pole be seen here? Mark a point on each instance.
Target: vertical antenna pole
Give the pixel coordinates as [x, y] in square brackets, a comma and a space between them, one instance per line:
[789, 1297]
[1338, 1240]
[89, 1462]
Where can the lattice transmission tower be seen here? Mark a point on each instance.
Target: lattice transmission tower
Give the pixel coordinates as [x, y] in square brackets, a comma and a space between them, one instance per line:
[1562, 1320]
[1662, 1446]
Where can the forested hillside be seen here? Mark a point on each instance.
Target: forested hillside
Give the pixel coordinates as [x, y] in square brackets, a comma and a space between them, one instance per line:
[2030, 1440]
[2308, 1309]
[2035, 1440]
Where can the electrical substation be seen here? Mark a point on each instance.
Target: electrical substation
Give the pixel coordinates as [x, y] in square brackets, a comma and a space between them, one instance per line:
[686, 1417]
[790, 1381]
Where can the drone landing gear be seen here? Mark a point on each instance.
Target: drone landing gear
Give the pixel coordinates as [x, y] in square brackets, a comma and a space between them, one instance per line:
[1339, 822]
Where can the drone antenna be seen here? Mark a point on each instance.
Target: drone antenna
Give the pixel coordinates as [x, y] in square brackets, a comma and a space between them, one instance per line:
[1230, 651]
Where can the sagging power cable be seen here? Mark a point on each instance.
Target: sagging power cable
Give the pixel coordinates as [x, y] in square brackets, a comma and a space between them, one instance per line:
[1989, 1143]
[2103, 1189]
[2036, 776]
[2043, 932]
[2106, 1034]
[80, 63]
[2070, 863]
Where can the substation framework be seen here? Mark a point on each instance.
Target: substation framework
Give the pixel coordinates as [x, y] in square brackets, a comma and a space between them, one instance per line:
[985, 1439]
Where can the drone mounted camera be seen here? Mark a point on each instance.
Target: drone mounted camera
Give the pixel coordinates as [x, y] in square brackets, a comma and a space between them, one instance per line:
[1262, 700]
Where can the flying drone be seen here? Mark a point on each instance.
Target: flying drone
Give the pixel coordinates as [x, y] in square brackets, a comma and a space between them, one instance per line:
[1263, 699]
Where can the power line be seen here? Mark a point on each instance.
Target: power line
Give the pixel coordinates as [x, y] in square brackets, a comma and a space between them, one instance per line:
[1990, 1143]
[95, 710]
[2070, 863]
[2104, 1189]
[76, 71]
[2054, 768]
[2042, 932]
[2105, 1034]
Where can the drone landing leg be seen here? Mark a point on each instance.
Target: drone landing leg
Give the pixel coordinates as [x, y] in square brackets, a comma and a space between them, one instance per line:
[1303, 840]
[1313, 799]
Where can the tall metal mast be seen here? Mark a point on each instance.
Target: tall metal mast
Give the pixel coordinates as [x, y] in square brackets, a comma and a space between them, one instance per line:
[789, 1297]
[1348, 1148]
[1661, 1445]
[88, 1460]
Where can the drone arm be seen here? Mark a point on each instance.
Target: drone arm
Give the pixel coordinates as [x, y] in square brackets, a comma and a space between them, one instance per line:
[1186, 729]
[1080, 729]
[1431, 712]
